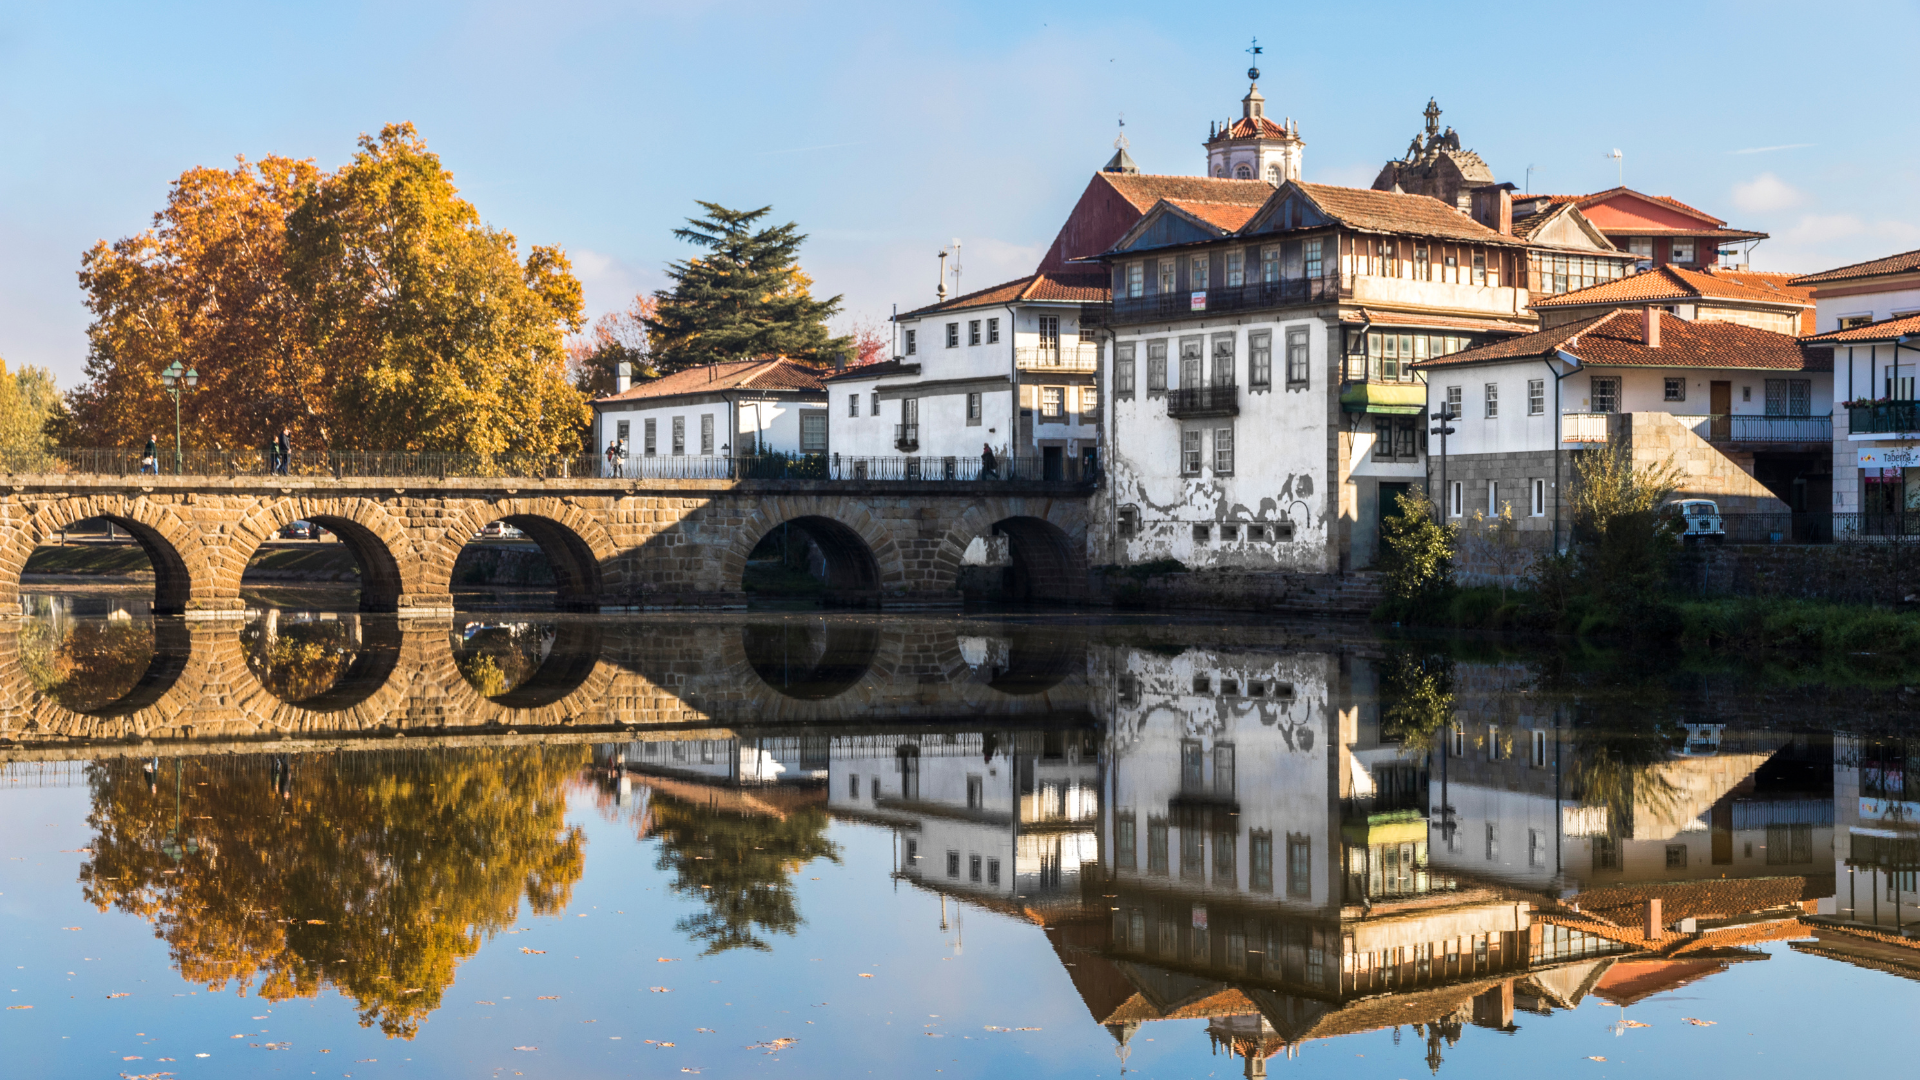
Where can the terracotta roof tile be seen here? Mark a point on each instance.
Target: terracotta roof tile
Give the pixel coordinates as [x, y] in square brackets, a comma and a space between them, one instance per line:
[1084, 287]
[1884, 330]
[1388, 212]
[1671, 283]
[1401, 320]
[1617, 339]
[1144, 189]
[779, 373]
[882, 370]
[1248, 127]
[1902, 263]
[1225, 216]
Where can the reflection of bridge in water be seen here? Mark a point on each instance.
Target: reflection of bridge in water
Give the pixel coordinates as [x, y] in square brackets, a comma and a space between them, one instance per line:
[599, 677]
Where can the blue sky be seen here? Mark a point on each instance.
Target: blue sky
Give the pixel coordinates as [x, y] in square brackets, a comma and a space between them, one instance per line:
[886, 130]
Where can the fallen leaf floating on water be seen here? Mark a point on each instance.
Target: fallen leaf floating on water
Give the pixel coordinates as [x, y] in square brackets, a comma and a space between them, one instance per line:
[316, 922]
[526, 1048]
[1699, 1023]
[771, 1044]
[548, 997]
[136, 1057]
[412, 990]
[19, 1006]
[667, 960]
[483, 1003]
[864, 975]
[1633, 1023]
[533, 952]
[1590, 1057]
[69, 928]
[660, 990]
[709, 1031]
[121, 994]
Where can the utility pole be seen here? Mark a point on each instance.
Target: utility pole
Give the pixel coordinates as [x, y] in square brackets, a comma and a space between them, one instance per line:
[1443, 430]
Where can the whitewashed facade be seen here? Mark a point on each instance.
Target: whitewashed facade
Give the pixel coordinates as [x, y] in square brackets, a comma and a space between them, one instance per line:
[726, 410]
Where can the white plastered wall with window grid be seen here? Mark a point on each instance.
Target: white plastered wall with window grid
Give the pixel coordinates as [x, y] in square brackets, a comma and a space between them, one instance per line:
[1257, 483]
[774, 425]
[1250, 728]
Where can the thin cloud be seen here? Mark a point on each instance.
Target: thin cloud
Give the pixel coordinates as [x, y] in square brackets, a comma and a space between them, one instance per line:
[1771, 149]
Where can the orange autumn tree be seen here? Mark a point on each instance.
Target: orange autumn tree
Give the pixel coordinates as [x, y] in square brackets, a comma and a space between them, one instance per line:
[368, 308]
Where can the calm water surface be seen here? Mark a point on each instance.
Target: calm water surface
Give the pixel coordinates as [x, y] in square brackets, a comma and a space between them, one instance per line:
[326, 845]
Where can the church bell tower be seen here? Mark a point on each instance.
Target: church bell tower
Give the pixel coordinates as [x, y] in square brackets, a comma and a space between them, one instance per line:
[1254, 147]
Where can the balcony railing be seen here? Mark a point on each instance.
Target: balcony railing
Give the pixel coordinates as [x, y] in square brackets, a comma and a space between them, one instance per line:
[1884, 418]
[1250, 297]
[906, 437]
[1806, 429]
[1584, 428]
[1192, 402]
[1078, 356]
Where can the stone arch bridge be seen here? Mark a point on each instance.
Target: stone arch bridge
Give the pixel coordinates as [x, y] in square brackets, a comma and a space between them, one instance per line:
[615, 544]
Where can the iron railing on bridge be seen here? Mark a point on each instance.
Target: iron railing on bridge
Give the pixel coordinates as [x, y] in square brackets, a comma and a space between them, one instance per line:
[132, 463]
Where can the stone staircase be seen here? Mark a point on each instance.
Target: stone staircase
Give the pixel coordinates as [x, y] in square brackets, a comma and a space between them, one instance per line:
[1353, 595]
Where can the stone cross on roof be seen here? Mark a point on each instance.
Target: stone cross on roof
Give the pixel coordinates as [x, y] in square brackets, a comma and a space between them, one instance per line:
[1433, 116]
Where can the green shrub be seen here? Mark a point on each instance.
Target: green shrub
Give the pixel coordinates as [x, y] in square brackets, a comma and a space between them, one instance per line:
[1416, 558]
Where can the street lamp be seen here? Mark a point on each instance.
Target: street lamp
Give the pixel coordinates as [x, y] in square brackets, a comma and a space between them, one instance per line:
[171, 378]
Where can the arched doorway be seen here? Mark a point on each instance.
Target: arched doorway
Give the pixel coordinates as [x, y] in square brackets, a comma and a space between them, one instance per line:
[815, 560]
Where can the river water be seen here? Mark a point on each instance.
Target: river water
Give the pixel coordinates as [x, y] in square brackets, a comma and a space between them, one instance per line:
[769, 844]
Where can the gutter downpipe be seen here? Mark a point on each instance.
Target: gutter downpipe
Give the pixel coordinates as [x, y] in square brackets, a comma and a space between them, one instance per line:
[1013, 387]
[1573, 365]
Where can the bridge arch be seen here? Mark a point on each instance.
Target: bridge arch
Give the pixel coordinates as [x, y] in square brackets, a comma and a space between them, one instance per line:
[575, 542]
[1044, 544]
[378, 543]
[177, 552]
[862, 560]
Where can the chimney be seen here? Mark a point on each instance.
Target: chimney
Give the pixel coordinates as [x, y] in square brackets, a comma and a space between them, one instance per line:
[622, 377]
[1505, 223]
[1651, 326]
[1654, 926]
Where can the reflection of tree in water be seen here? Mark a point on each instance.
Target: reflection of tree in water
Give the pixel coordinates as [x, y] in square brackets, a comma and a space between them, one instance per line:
[1416, 694]
[298, 659]
[739, 864]
[373, 873]
[86, 664]
[497, 657]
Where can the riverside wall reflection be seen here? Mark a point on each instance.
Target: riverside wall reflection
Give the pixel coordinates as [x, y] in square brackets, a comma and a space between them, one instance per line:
[1286, 840]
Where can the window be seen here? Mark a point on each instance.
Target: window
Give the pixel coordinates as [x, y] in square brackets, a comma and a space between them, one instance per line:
[1676, 856]
[1493, 841]
[873, 789]
[1273, 174]
[1310, 254]
[1421, 268]
[1299, 865]
[853, 405]
[1197, 273]
[650, 436]
[1789, 397]
[993, 331]
[679, 435]
[1193, 853]
[873, 407]
[1479, 268]
[1539, 758]
[853, 786]
[1191, 350]
[1049, 326]
[1156, 366]
[1051, 407]
[1536, 396]
[1606, 393]
[1852, 322]
[1169, 276]
[1456, 499]
[813, 431]
[1388, 252]
[1493, 498]
[1641, 247]
[1242, 172]
[1223, 753]
[1260, 861]
[1536, 848]
[1454, 402]
[913, 854]
[973, 408]
[973, 331]
[1676, 388]
[1123, 369]
[973, 868]
[1493, 742]
[1123, 841]
[1236, 268]
[993, 871]
[621, 431]
[1089, 402]
[1789, 844]
[1396, 438]
[1190, 452]
[1493, 401]
[706, 434]
[1129, 521]
[913, 342]
[1539, 499]
[1297, 375]
[953, 864]
[1157, 846]
[1260, 359]
[1222, 360]
[953, 335]
[1682, 251]
[1136, 280]
[1270, 263]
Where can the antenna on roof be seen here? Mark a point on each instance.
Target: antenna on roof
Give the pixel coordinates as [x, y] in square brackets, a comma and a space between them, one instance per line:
[1620, 159]
[1529, 180]
[956, 266]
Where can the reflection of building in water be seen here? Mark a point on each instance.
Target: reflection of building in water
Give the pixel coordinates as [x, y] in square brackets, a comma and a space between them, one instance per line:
[727, 760]
[1876, 800]
[1007, 817]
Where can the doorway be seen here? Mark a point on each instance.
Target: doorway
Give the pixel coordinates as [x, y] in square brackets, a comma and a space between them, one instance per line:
[1053, 463]
[1720, 404]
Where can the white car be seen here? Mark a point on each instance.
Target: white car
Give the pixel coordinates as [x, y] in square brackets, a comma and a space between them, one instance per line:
[1696, 520]
[500, 530]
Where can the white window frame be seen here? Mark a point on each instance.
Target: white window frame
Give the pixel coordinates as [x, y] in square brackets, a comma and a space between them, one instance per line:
[1539, 497]
[913, 342]
[874, 409]
[1493, 401]
[953, 335]
[973, 332]
[679, 444]
[1493, 498]
[993, 331]
[973, 408]
[1191, 452]
[650, 436]
[1136, 280]
[1223, 451]
[1456, 498]
[853, 406]
[1536, 397]
[706, 435]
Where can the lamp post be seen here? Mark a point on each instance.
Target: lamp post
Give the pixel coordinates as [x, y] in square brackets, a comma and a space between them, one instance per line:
[173, 378]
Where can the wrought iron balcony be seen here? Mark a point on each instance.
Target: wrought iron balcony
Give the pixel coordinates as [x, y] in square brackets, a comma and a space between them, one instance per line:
[906, 437]
[1743, 429]
[1073, 356]
[1250, 297]
[1884, 418]
[1194, 402]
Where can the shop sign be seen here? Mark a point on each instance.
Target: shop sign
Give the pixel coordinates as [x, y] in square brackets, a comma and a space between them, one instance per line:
[1890, 457]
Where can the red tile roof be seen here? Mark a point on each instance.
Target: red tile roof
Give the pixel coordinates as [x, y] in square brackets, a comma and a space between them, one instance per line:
[1617, 339]
[1248, 127]
[1399, 320]
[1768, 279]
[1905, 262]
[882, 370]
[1073, 287]
[779, 373]
[1399, 213]
[1228, 217]
[1672, 283]
[1143, 189]
[1884, 330]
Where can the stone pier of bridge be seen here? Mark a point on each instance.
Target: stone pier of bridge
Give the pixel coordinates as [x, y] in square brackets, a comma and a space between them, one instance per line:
[614, 544]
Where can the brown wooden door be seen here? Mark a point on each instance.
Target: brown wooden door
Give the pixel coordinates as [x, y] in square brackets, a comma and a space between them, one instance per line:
[1720, 403]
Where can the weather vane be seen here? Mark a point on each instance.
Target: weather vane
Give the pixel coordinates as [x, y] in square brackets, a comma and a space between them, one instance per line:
[1120, 142]
[1253, 70]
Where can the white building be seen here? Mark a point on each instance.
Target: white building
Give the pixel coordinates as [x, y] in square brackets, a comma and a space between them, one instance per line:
[1009, 367]
[1869, 314]
[1750, 412]
[717, 412]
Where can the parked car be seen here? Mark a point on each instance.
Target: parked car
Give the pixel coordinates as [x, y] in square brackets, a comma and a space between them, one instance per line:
[499, 530]
[299, 530]
[1695, 520]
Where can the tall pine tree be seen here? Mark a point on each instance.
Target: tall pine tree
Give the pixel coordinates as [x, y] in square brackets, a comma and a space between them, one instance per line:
[746, 299]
